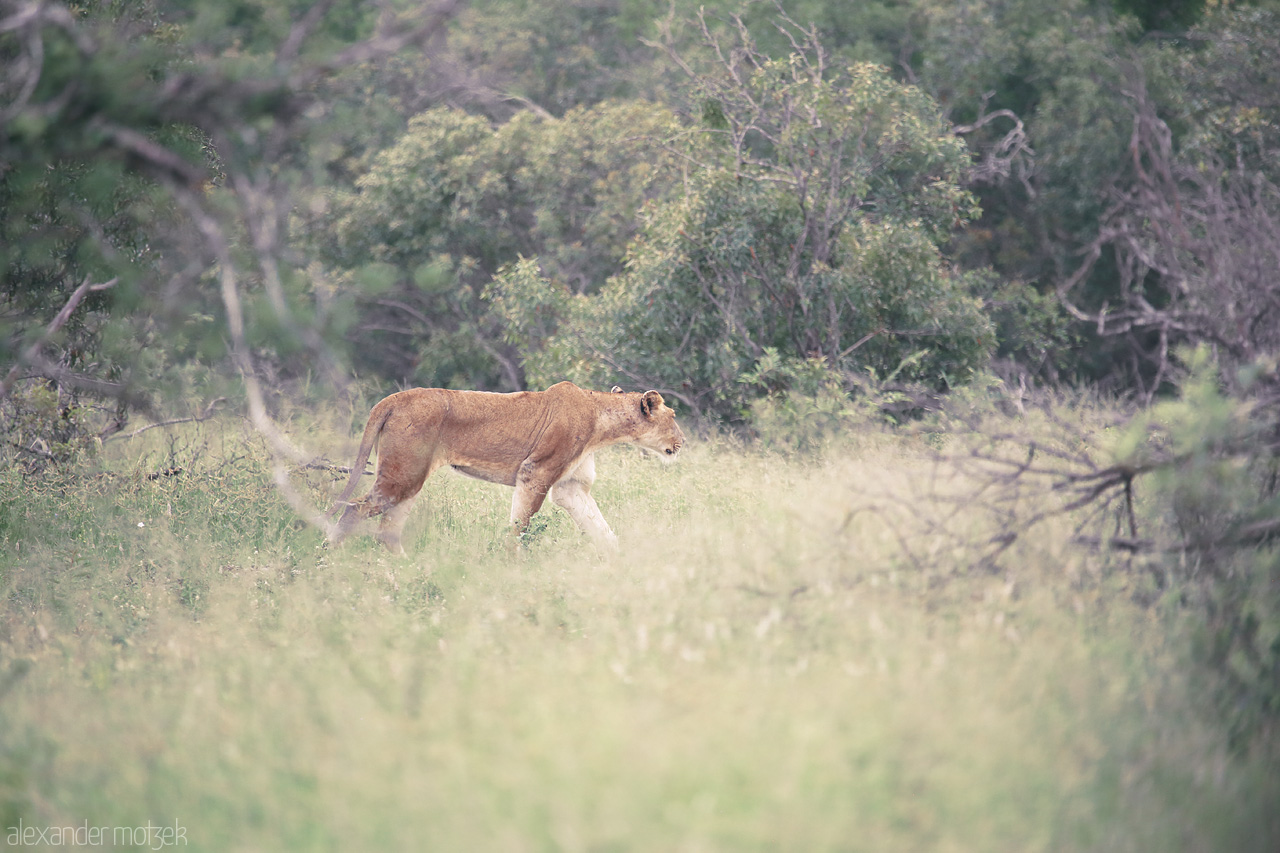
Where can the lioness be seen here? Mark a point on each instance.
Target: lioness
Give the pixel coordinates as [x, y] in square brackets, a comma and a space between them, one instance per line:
[537, 441]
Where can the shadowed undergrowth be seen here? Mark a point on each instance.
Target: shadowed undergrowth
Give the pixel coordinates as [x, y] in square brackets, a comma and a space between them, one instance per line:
[778, 657]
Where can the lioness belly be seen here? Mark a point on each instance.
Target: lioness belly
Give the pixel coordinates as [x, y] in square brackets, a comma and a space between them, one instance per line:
[503, 475]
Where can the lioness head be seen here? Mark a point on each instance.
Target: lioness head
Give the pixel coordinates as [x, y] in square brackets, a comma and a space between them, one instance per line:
[658, 430]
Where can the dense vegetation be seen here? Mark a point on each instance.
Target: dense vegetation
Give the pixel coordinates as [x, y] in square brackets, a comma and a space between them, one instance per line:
[906, 180]
[1031, 244]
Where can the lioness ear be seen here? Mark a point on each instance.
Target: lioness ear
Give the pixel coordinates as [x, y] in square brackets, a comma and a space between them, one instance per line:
[616, 389]
[650, 403]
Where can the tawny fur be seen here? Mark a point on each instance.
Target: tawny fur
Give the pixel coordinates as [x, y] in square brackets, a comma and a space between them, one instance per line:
[540, 442]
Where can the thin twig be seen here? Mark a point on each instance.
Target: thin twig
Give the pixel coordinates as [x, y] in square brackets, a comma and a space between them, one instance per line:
[203, 416]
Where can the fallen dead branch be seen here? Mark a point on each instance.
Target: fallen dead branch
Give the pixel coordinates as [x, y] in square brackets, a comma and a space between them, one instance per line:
[1018, 475]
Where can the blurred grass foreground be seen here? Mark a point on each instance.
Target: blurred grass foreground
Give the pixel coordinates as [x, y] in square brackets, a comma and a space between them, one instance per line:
[786, 653]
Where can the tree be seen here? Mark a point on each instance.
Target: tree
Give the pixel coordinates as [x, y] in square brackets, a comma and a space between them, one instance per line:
[810, 227]
[1191, 230]
[83, 228]
[148, 163]
[507, 56]
[455, 200]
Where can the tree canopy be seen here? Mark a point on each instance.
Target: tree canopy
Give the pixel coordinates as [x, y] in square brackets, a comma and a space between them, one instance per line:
[496, 194]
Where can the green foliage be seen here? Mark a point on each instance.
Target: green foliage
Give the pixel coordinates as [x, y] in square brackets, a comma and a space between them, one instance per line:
[400, 224]
[70, 220]
[1053, 66]
[528, 305]
[1086, 79]
[1031, 327]
[1164, 15]
[1223, 95]
[555, 56]
[1216, 464]
[843, 142]
[875, 31]
[45, 428]
[456, 200]
[805, 406]
[812, 229]
[1182, 252]
[139, 142]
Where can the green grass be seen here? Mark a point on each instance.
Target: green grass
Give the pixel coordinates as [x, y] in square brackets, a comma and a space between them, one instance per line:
[762, 665]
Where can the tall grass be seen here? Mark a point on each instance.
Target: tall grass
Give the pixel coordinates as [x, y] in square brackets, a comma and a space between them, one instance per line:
[764, 664]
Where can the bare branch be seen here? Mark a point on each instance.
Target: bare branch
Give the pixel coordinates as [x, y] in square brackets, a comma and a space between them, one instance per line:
[197, 418]
[1195, 245]
[31, 354]
[281, 448]
[392, 37]
[150, 157]
[301, 30]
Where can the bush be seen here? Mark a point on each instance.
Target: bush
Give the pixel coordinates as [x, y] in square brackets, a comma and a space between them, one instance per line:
[810, 226]
[1215, 460]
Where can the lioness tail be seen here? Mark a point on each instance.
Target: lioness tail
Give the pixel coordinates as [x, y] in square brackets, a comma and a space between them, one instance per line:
[377, 420]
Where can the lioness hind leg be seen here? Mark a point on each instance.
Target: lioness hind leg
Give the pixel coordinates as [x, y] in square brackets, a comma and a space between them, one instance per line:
[346, 523]
[391, 515]
[392, 526]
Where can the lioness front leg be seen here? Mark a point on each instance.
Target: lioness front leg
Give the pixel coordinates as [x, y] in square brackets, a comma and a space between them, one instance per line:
[582, 508]
[573, 493]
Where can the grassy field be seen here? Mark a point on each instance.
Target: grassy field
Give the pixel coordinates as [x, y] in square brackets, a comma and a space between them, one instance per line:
[779, 657]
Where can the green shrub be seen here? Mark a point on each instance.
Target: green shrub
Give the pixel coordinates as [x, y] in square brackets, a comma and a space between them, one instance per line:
[1215, 461]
